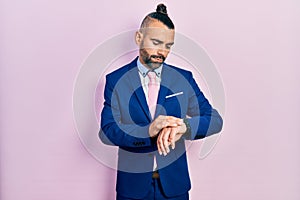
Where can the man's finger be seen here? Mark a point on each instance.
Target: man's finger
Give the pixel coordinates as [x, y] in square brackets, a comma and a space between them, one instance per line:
[161, 141]
[172, 137]
[165, 138]
[158, 144]
[165, 123]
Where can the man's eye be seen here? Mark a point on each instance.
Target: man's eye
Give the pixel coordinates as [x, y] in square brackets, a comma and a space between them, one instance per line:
[169, 46]
[155, 43]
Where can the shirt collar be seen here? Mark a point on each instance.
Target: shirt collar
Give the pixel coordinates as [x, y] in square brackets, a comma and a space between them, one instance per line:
[144, 70]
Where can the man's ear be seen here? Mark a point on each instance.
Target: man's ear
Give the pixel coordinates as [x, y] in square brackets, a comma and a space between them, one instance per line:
[138, 38]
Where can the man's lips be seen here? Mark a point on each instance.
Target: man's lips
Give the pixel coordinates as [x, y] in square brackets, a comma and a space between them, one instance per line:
[158, 58]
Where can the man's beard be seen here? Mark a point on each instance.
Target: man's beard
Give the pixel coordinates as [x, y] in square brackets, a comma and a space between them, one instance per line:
[148, 59]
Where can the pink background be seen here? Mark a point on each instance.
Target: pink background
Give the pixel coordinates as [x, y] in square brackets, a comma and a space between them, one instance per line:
[255, 45]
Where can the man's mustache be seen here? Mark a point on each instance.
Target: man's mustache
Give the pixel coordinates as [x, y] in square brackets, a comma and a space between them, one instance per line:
[160, 57]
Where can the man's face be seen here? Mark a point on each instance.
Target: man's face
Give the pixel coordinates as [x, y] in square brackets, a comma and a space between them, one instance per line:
[155, 42]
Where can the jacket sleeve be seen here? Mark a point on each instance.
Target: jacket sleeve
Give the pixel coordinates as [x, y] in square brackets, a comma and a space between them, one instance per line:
[113, 131]
[204, 119]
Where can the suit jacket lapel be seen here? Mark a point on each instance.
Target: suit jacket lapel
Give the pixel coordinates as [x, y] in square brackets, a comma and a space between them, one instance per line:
[135, 81]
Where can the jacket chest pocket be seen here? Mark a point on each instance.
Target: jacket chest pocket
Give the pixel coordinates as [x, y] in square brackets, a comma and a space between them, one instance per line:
[175, 106]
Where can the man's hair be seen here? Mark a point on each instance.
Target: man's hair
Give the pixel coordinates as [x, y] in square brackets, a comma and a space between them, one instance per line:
[160, 15]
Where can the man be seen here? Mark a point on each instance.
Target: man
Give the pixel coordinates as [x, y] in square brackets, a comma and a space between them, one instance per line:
[150, 108]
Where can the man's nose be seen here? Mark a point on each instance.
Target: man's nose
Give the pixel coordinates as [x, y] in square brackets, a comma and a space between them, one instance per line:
[162, 51]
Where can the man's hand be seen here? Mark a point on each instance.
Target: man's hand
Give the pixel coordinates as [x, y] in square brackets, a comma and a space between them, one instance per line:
[161, 122]
[168, 136]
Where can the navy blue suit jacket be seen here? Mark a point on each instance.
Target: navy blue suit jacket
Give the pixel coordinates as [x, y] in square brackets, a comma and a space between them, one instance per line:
[125, 121]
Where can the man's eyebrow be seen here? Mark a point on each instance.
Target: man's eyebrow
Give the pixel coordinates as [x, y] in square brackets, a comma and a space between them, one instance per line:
[156, 40]
[159, 41]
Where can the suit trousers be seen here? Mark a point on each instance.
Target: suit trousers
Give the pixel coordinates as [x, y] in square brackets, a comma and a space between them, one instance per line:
[156, 193]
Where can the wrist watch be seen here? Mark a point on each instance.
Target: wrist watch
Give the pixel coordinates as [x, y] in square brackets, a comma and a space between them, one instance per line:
[188, 127]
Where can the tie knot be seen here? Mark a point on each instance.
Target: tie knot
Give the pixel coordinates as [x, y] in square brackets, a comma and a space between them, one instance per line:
[152, 76]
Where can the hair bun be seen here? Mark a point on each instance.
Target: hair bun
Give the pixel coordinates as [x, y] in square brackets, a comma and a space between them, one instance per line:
[161, 8]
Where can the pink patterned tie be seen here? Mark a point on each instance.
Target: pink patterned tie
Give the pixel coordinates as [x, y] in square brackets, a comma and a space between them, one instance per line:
[153, 87]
